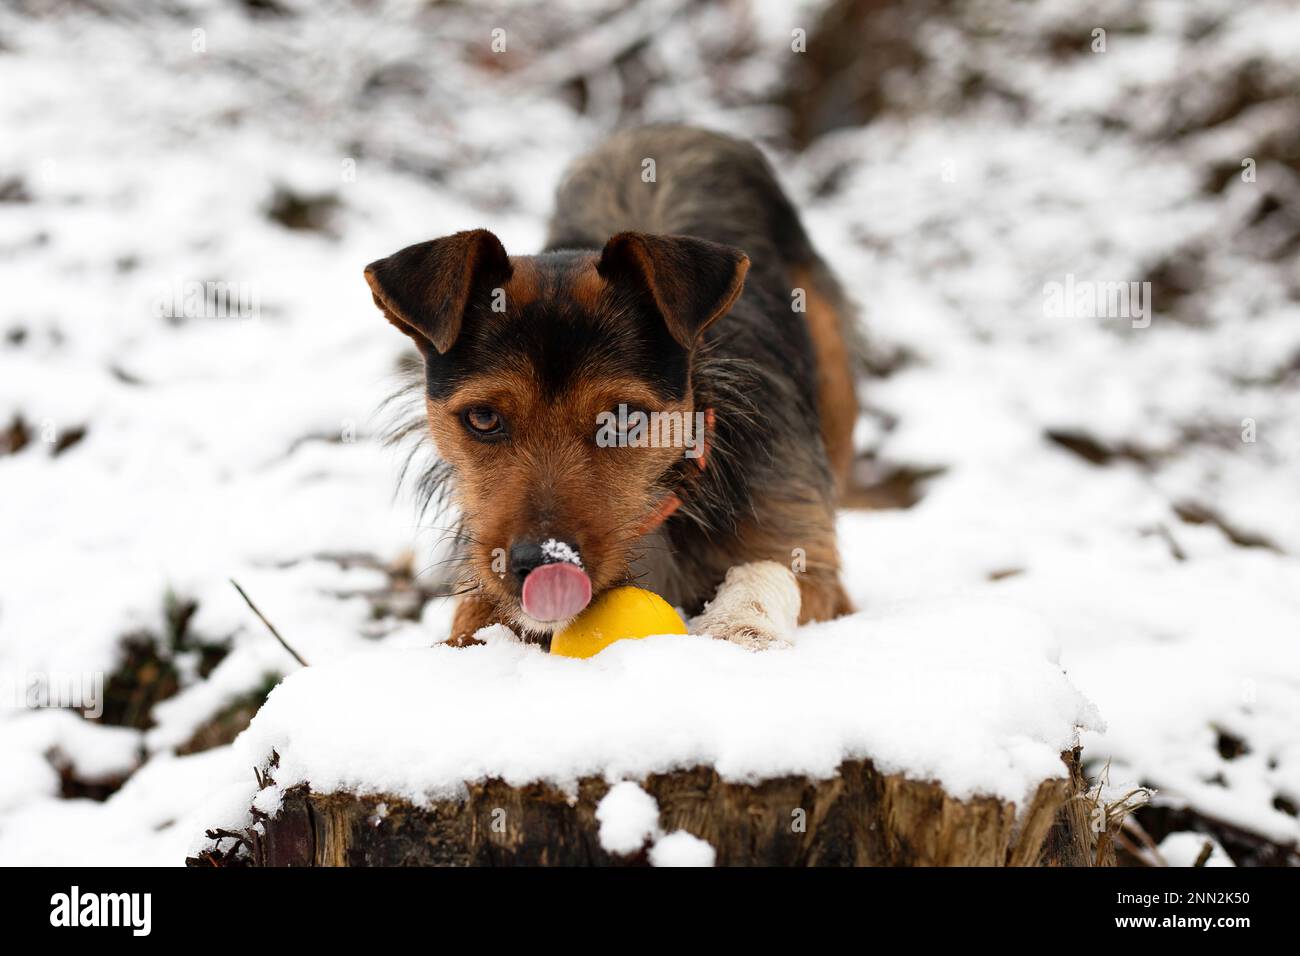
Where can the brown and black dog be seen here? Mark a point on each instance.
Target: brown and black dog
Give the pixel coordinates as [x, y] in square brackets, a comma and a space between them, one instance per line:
[678, 297]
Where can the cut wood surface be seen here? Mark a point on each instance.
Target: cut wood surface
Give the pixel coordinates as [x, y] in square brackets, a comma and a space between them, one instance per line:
[860, 817]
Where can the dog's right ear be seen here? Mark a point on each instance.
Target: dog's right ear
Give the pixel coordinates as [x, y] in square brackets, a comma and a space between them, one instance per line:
[424, 289]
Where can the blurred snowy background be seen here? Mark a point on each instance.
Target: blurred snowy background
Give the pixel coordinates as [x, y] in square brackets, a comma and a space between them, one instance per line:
[1133, 484]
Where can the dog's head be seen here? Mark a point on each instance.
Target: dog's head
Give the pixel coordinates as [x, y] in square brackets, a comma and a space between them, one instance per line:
[558, 390]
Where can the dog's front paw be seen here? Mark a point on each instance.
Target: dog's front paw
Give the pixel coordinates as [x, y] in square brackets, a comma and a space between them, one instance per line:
[747, 636]
[757, 607]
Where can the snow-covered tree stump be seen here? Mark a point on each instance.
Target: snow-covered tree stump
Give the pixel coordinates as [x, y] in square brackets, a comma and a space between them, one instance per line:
[859, 818]
[930, 738]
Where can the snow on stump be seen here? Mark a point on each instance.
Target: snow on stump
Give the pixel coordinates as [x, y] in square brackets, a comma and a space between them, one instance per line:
[943, 736]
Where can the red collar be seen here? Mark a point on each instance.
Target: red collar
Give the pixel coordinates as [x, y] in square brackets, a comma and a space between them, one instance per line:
[664, 510]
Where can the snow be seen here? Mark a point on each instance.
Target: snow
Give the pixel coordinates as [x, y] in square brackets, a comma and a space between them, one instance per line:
[967, 694]
[560, 551]
[680, 848]
[628, 818]
[94, 753]
[248, 448]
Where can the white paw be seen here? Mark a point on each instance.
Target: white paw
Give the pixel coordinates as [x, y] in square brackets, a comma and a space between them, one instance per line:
[757, 607]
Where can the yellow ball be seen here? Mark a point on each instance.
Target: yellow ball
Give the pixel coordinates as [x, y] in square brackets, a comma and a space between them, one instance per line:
[617, 614]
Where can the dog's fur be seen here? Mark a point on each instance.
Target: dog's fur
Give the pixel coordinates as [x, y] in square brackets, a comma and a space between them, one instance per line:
[676, 294]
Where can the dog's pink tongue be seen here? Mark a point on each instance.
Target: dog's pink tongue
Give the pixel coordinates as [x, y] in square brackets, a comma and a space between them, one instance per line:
[556, 592]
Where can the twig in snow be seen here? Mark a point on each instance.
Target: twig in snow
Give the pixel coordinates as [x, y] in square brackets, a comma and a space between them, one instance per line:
[1204, 856]
[269, 626]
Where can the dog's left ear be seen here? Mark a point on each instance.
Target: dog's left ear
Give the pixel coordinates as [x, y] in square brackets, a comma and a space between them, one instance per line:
[693, 282]
[425, 289]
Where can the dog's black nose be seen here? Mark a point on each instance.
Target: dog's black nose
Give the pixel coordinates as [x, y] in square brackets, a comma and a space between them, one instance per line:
[527, 555]
[524, 556]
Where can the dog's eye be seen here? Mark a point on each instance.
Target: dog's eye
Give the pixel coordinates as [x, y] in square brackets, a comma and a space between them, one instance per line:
[482, 421]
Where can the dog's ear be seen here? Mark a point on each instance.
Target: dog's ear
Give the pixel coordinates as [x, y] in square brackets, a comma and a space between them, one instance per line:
[424, 289]
[693, 281]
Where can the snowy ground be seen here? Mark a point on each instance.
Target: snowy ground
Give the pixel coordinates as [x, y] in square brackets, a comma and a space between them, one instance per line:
[148, 454]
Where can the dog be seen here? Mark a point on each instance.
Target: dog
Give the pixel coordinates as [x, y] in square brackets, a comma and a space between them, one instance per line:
[662, 394]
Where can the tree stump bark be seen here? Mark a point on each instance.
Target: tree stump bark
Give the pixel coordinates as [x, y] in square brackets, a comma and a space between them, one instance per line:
[859, 818]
